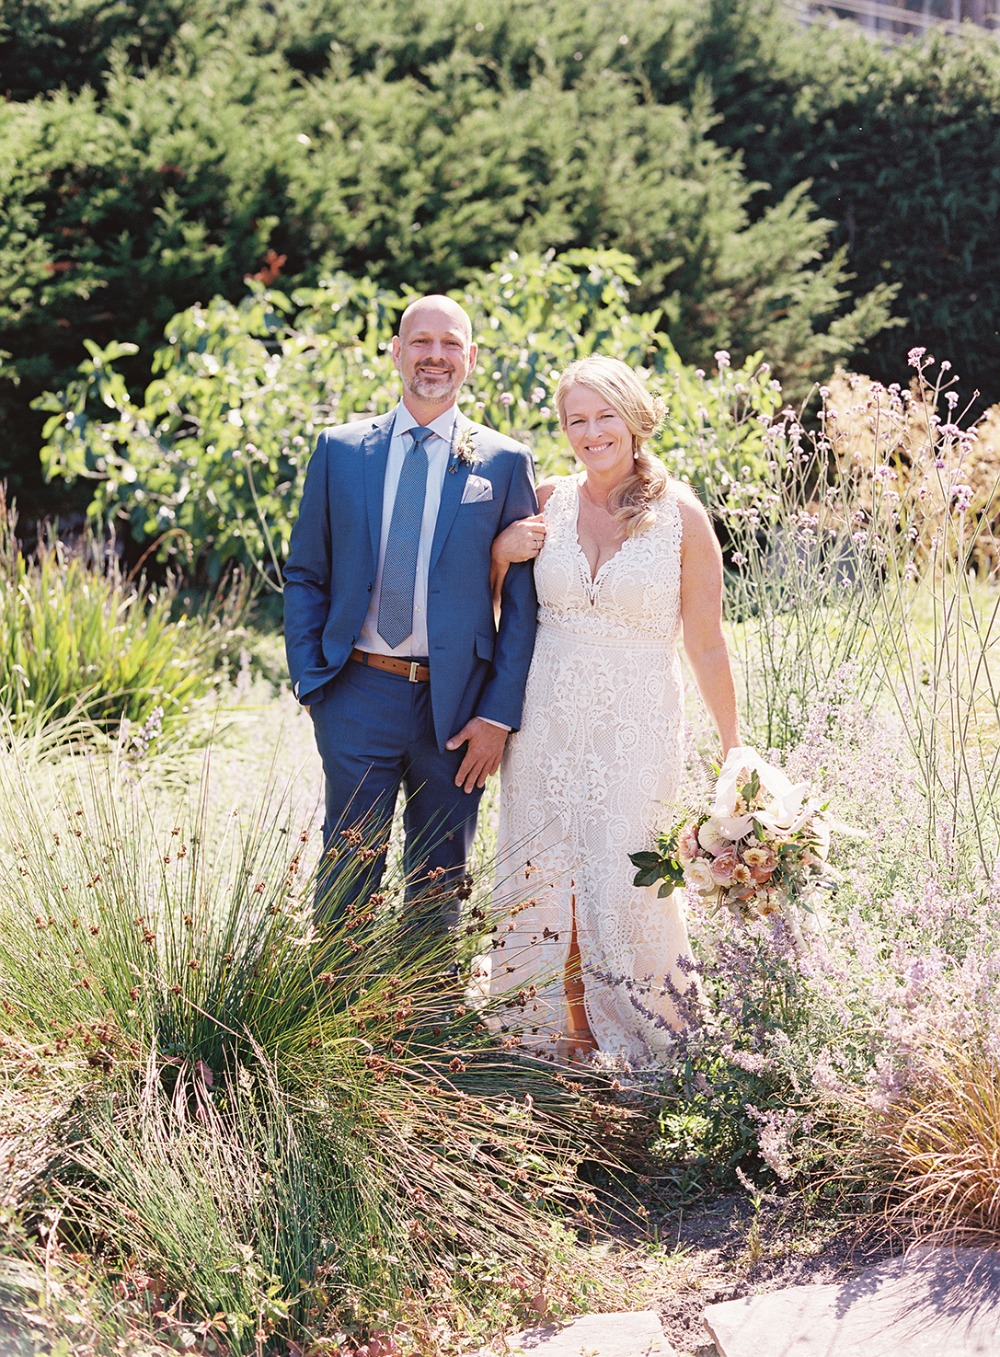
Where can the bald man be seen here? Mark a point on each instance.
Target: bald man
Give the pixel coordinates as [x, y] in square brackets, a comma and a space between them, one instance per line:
[390, 630]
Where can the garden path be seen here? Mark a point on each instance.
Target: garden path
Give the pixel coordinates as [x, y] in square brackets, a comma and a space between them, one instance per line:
[635, 1333]
[934, 1302]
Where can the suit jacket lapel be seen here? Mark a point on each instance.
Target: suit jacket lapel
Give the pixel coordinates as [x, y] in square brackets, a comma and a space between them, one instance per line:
[451, 493]
[375, 447]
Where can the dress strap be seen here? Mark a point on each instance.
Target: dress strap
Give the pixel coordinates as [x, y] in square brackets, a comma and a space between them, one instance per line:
[562, 499]
[672, 506]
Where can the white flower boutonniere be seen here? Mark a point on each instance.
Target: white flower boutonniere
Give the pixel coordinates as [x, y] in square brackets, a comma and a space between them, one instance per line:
[463, 451]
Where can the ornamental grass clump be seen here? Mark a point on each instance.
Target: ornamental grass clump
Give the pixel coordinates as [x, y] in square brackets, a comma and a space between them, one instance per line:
[801, 568]
[936, 1144]
[86, 648]
[916, 439]
[863, 544]
[276, 1127]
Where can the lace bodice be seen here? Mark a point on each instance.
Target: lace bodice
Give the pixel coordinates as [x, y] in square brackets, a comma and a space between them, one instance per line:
[635, 594]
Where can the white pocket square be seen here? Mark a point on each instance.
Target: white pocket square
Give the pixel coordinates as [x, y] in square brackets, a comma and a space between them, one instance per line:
[477, 490]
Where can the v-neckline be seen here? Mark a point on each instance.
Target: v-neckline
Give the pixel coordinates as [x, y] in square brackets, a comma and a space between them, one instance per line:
[592, 577]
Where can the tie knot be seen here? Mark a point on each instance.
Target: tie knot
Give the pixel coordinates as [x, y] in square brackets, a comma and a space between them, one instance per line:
[420, 435]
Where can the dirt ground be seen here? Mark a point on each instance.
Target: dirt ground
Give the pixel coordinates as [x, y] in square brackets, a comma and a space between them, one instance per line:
[732, 1247]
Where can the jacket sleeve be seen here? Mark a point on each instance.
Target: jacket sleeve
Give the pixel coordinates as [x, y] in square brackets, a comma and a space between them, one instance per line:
[307, 575]
[503, 696]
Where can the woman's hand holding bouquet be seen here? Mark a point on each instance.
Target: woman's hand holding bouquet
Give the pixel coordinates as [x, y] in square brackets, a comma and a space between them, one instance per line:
[761, 848]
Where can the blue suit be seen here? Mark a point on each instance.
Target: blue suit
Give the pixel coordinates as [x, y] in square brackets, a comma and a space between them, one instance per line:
[375, 731]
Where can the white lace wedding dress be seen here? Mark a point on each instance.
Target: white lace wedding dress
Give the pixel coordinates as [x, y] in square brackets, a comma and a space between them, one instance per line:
[589, 779]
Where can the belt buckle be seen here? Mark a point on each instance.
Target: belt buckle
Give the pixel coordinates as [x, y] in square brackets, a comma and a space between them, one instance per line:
[413, 672]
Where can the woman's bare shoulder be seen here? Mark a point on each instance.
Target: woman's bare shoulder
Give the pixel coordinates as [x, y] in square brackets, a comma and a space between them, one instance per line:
[696, 526]
[690, 505]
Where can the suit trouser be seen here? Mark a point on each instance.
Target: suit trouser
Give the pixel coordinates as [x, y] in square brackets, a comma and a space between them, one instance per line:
[375, 736]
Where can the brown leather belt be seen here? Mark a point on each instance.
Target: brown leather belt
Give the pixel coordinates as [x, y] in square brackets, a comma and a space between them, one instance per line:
[410, 669]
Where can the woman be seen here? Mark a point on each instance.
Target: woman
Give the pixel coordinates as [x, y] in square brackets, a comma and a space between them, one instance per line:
[630, 562]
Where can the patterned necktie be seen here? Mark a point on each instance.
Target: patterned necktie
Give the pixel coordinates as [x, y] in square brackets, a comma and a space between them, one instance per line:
[395, 609]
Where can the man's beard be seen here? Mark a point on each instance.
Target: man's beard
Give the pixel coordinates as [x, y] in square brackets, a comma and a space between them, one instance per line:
[434, 384]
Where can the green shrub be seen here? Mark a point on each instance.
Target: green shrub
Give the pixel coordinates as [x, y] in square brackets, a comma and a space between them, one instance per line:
[897, 145]
[46, 46]
[211, 461]
[128, 200]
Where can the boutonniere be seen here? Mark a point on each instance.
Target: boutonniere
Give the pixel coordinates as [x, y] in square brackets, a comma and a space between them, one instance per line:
[463, 451]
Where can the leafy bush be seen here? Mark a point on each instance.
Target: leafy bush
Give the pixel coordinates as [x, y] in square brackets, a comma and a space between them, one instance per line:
[45, 47]
[211, 461]
[150, 190]
[897, 144]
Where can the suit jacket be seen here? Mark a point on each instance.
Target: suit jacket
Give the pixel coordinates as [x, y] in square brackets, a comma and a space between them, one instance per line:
[476, 670]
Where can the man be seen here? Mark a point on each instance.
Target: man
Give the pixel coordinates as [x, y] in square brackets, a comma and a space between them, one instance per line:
[389, 620]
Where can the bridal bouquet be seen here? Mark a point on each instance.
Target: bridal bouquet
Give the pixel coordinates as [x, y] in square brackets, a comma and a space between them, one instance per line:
[761, 848]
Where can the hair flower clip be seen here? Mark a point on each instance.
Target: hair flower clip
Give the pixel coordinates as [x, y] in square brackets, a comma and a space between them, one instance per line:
[463, 451]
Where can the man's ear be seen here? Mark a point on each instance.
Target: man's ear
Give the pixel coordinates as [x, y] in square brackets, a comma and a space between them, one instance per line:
[473, 350]
[395, 352]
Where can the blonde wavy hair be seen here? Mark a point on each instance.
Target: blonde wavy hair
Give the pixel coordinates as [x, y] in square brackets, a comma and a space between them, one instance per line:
[633, 503]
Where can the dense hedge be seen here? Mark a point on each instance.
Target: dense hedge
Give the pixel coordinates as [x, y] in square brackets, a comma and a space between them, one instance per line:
[151, 155]
[413, 143]
[899, 145]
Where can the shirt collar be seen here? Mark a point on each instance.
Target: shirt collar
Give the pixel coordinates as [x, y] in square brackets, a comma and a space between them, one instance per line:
[443, 425]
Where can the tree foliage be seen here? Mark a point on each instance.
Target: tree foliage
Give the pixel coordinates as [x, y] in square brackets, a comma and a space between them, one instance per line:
[411, 144]
[900, 148]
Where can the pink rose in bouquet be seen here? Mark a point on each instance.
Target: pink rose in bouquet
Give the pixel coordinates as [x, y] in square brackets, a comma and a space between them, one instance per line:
[687, 844]
[723, 865]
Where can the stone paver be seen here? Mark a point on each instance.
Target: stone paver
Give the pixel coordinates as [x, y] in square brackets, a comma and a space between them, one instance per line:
[635, 1333]
[932, 1303]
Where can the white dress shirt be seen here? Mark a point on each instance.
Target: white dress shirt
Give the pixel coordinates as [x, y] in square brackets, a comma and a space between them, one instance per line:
[438, 449]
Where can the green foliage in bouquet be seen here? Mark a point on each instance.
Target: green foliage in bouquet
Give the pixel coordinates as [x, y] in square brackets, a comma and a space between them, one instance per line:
[209, 463]
[662, 864]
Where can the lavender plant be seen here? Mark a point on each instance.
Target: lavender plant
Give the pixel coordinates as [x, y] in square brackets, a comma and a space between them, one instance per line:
[817, 1053]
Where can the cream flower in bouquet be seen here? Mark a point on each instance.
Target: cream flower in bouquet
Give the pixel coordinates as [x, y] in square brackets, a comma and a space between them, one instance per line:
[760, 849]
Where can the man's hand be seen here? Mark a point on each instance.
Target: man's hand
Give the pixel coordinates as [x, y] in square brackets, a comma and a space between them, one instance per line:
[486, 742]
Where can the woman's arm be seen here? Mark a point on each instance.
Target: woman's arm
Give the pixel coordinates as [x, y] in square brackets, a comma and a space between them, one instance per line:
[701, 619]
[520, 541]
